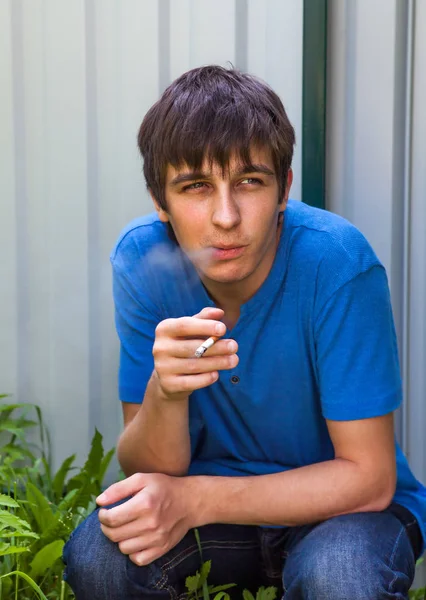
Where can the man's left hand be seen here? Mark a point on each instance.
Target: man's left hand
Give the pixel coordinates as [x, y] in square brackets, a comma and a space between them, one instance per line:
[152, 521]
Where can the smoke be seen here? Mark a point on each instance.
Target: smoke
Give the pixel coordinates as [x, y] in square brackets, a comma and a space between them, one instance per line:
[170, 270]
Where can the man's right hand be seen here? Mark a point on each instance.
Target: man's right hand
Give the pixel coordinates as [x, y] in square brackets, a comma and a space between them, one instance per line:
[177, 370]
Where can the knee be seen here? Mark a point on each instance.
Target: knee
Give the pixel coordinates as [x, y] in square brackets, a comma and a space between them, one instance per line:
[335, 573]
[345, 565]
[89, 557]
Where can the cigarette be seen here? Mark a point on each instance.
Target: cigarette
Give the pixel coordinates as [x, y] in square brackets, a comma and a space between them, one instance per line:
[205, 346]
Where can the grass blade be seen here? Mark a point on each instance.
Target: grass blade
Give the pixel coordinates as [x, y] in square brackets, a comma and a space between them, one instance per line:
[28, 580]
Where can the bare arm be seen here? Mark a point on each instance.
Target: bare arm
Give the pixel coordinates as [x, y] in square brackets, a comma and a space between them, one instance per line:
[362, 477]
[156, 435]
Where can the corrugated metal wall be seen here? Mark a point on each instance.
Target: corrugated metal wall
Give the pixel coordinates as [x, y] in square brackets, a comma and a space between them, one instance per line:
[377, 168]
[76, 79]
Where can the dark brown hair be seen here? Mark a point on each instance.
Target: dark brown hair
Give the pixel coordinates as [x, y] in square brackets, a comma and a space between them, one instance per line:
[211, 113]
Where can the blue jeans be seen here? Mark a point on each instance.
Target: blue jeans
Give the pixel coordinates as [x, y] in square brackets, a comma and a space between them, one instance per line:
[362, 556]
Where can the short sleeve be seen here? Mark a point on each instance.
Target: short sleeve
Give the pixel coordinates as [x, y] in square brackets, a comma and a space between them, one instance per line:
[356, 350]
[136, 318]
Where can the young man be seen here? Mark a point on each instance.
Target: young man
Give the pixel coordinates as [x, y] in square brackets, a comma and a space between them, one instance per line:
[278, 442]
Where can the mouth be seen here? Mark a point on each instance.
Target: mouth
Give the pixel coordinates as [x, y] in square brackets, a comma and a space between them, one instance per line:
[227, 252]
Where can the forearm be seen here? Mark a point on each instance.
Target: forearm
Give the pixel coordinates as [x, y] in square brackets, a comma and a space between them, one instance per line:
[304, 495]
[157, 439]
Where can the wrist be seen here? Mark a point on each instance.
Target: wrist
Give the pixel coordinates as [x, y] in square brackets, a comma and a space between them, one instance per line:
[200, 499]
[160, 393]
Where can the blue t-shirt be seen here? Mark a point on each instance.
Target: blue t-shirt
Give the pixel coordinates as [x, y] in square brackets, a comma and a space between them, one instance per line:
[316, 341]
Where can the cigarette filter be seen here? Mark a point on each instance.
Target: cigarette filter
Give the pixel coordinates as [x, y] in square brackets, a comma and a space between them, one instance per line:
[205, 346]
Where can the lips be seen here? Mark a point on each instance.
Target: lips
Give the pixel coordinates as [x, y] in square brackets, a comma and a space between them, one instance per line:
[227, 252]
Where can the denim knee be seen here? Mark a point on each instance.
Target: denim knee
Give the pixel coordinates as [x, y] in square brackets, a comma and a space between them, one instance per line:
[353, 557]
[94, 566]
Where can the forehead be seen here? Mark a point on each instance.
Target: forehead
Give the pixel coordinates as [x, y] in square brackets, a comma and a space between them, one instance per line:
[258, 156]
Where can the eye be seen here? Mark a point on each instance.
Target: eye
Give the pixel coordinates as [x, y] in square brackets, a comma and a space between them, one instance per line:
[194, 186]
[251, 181]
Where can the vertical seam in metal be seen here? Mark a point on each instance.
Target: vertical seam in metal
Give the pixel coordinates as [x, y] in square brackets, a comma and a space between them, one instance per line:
[93, 209]
[407, 228]
[21, 202]
[163, 44]
[241, 34]
[314, 102]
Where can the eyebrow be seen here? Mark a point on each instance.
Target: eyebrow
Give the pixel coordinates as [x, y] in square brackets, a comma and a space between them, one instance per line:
[192, 175]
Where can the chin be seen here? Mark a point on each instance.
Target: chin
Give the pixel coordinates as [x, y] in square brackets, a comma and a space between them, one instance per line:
[230, 277]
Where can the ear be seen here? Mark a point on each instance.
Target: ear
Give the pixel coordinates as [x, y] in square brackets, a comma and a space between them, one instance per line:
[162, 214]
[284, 199]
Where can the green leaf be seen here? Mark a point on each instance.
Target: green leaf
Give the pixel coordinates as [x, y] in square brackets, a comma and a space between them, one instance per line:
[39, 507]
[8, 501]
[222, 596]
[269, 593]
[45, 558]
[197, 539]
[25, 423]
[10, 520]
[59, 479]
[28, 580]
[93, 462]
[10, 407]
[203, 581]
[45, 443]
[205, 571]
[6, 587]
[11, 427]
[221, 588]
[67, 500]
[90, 470]
[7, 549]
[191, 582]
[60, 528]
[105, 464]
[13, 452]
[247, 595]
[20, 534]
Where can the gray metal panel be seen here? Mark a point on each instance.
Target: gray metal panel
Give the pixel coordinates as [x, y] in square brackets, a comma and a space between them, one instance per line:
[377, 168]
[76, 79]
[416, 413]
[8, 239]
[416, 442]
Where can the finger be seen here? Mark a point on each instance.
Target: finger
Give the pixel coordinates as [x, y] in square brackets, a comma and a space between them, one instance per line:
[146, 557]
[125, 514]
[206, 364]
[119, 534]
[141, 542]
[122, 489]
[187, 348]
[210, 312]
[191, 327]
[131, 530]
[190, 383]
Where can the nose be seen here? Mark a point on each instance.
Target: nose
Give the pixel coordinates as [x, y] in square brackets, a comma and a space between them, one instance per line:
[226, 212]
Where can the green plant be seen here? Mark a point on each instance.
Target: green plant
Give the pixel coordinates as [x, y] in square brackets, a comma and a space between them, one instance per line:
[39, 508]
[419, 594]
[197, 584]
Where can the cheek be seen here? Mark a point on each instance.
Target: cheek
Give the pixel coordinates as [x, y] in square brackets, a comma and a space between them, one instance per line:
[189, 222]
[188, 232]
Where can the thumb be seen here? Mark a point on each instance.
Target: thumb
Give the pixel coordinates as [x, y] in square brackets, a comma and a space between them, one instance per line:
[210, 312]
[122, 489]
